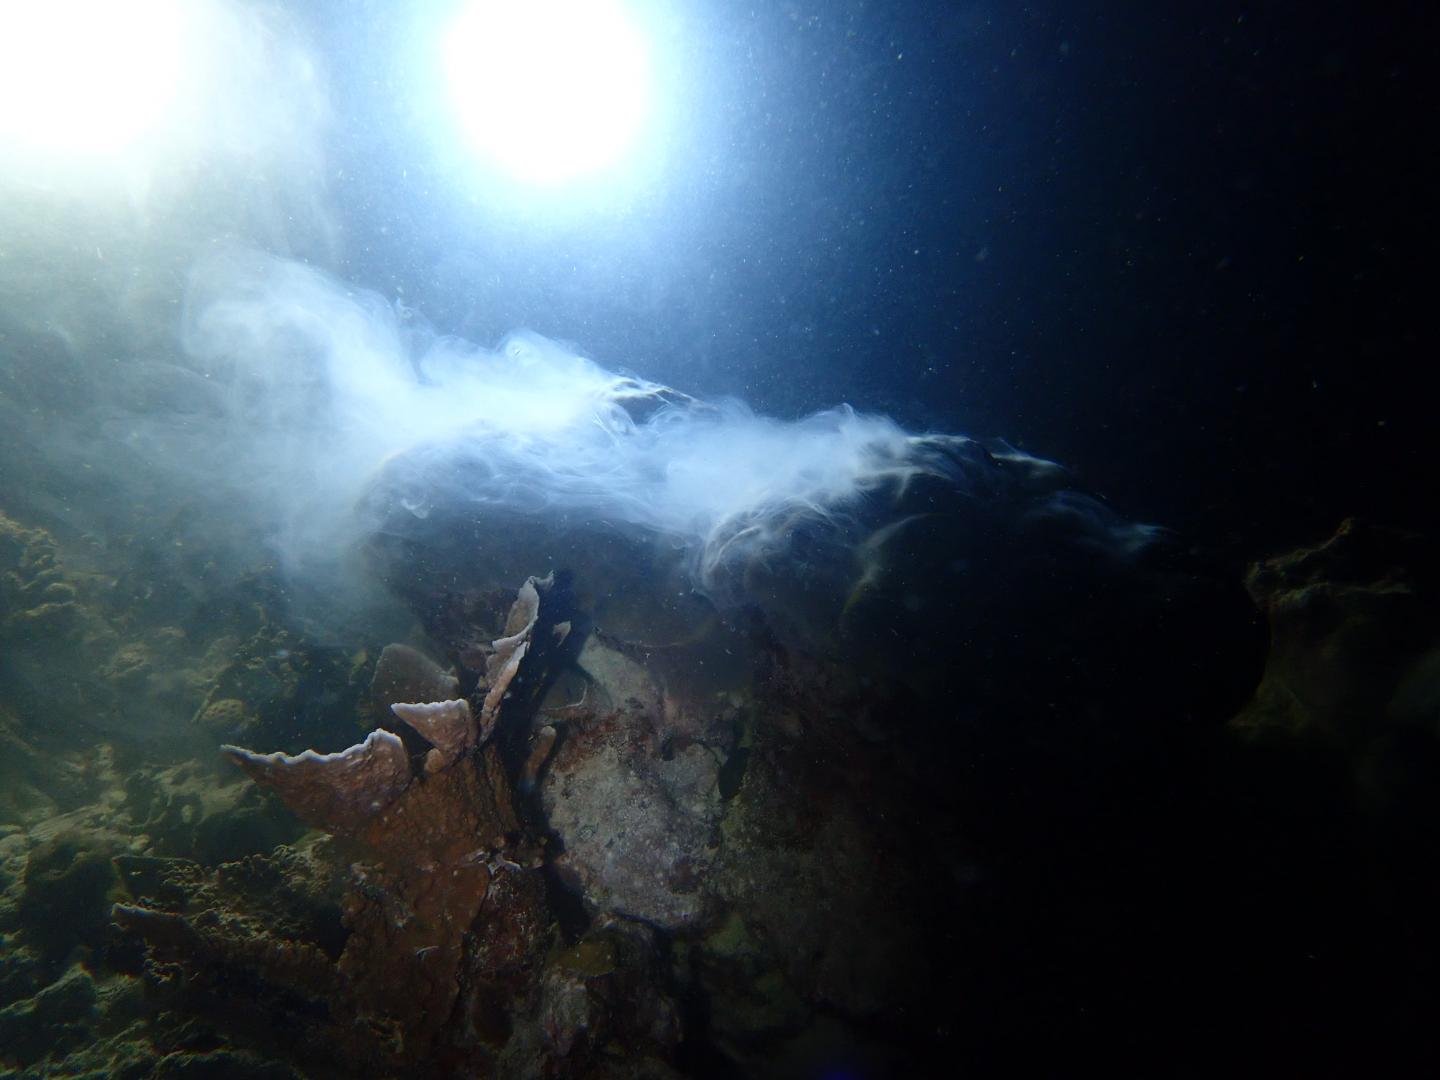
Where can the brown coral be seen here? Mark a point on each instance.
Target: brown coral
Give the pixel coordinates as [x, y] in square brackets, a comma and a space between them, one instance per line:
[448, 726]
[438, 839]
[337, 792]
[406, 674]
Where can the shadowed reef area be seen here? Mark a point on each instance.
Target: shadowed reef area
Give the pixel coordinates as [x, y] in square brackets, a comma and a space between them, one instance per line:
[571, 828]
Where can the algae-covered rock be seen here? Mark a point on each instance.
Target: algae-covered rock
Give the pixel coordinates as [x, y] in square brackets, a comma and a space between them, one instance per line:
[755, 1004]
[34, 785]
[55, 1019]
[602, 1009]
[277, 686]
[36, 599]
[187, 811]
[636, 817]
[65, 893]
[227, 719]
[1354, 638]
[52, 620]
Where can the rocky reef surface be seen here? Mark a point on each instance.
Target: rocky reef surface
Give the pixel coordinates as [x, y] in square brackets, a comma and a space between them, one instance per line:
[524, 843]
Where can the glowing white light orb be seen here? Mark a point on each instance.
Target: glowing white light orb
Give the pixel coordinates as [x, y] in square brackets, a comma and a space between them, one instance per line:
[86, 76]
[550, 90]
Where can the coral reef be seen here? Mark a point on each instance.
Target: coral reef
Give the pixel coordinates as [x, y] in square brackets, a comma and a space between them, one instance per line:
[571, 846]
[270, 922]
[455, 947]
[34, 784]
[36, 596]
[446, 845]
[270, 683]
[52, 617]
[96, 683]
[54, 1019]
[226, 718]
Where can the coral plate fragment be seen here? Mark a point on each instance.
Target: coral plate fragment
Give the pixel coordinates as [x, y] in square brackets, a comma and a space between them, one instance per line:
[337, 792]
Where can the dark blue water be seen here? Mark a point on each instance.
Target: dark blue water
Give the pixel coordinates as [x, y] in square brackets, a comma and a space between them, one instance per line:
[1176, 246]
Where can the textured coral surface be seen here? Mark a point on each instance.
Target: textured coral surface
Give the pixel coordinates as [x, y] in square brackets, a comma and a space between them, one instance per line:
[703, 853]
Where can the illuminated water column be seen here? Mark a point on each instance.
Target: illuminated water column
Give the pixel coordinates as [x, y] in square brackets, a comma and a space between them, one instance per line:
[549, 90]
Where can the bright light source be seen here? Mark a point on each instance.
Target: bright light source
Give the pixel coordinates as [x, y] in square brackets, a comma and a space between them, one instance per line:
[86, 76]
[549, 89]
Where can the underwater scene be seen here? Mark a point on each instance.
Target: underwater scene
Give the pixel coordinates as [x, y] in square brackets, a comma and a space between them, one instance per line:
[627, 538]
